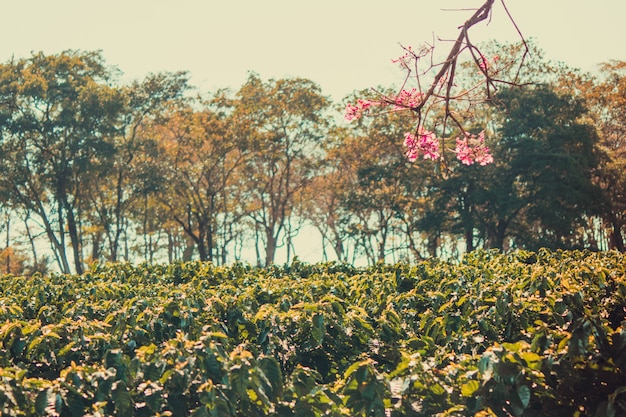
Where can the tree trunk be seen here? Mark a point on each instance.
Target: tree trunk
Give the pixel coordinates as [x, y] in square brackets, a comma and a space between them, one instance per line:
[270, 248]
[74, 240]
[57, 244]
[617, 240]
[96, 247]
[33, 246]
[339, 249]
[8, 243]
[500, 234]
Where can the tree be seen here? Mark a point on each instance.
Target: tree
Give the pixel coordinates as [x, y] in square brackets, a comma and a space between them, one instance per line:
[542, 190]
[130, 174]
[58, 114]
[382, 190]
[607, 99]
[286, 120]
[324, 199]
[200, 156]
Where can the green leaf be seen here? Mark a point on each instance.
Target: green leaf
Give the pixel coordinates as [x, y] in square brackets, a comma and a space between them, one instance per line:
[485, 366]
[319, 329]
[76, 404]
[437, 389]
[469, 388]
[303, 381]
[533, 360]
[523, 392]
[618, 391]
[166, 375]
[44, 400]
[605, 409]
[270, 367]
[66, 348]
[122, 399]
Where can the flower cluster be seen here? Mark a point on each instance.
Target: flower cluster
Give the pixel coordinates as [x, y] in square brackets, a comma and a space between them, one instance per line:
[408, 98]
[425, 142]
[469, 149]
[405, 99]
[355, 111]
[472, 149]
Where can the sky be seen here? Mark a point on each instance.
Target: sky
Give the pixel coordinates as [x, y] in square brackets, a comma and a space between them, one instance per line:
[342, 45]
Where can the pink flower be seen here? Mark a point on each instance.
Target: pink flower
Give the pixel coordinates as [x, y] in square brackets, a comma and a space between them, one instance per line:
[353, 112]
[411, 144]
[410, 99]
[472, 149]
[426, 143]
[463, 151]
[483, 64]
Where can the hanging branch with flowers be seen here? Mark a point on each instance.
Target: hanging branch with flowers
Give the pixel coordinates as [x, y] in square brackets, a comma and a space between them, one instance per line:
[442, 92]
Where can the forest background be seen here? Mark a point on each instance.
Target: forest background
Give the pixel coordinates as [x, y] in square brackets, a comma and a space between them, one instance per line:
[101, 168]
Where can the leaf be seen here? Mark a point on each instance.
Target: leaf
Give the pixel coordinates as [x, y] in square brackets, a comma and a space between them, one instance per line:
[319, 329]
[605, 409]
[303, 381]
[43, 401]
[76, 404]
[270, 367]
[437, 389]
[533, 360]
[469, 388]
[58, 403]
[618, 391]
[147, 350]
[485, 366]
[239, 380]
[523, 392]
[66, 348]
[122, 399]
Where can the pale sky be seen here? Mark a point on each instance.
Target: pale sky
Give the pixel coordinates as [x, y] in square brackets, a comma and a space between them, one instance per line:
[343, 45]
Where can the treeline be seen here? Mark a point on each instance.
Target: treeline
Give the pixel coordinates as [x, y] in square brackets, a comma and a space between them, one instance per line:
[98, 170]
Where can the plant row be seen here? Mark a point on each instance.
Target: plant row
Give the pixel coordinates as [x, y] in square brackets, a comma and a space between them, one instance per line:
[525, 334]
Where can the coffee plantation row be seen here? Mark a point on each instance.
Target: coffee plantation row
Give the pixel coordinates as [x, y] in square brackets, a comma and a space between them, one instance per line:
[524, 334]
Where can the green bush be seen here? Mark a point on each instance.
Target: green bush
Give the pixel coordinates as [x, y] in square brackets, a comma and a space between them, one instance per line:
[525, 334]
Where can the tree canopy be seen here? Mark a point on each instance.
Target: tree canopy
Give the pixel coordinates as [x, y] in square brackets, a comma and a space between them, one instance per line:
[95, 170]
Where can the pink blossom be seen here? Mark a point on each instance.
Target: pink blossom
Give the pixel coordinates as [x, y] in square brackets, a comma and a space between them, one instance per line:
[353, 112]
[408, 98]
[426, 143]
[463, 151]
[410, 143]
[472, 149]
[483, 64]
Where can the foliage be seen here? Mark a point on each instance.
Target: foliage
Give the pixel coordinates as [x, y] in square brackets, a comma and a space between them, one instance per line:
[525, 334]
[57, 113]
[96, 171]
[607, 101]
